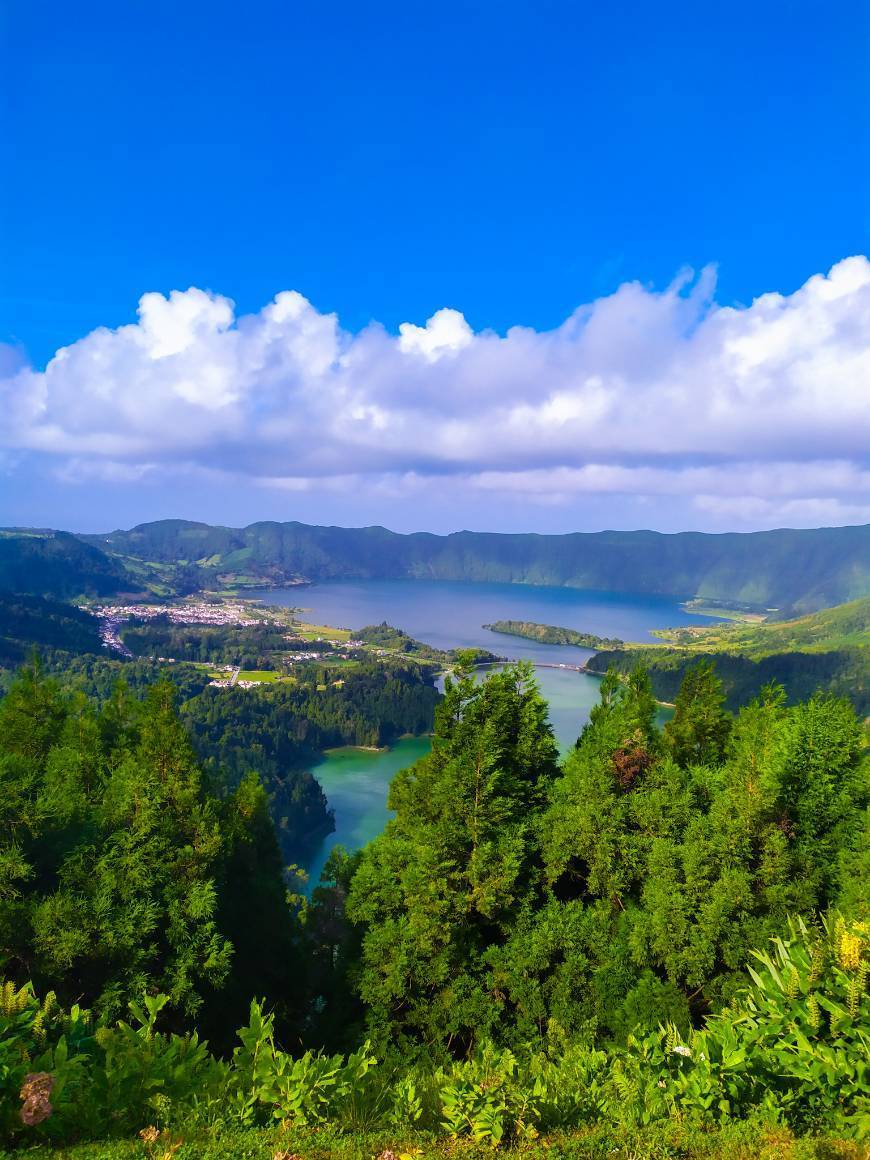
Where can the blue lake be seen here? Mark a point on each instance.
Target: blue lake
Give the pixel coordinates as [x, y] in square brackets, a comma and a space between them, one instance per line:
[451, 615]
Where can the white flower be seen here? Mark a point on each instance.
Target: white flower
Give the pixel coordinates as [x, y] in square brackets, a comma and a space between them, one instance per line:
[681, 1049]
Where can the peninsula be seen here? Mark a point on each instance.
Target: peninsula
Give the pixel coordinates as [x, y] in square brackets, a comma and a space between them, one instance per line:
[551, 634]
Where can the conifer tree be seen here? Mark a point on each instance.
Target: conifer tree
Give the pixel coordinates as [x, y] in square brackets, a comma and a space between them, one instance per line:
[120, 873]
[698, 732]
[460, 861]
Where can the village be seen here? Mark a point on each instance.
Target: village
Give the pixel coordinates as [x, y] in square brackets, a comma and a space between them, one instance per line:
[224, 614]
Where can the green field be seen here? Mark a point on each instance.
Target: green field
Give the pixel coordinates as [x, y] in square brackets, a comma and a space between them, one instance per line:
[688, 1141]
[321, 631]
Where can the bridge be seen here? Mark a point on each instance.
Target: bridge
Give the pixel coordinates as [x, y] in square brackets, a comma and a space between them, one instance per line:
[553, 665]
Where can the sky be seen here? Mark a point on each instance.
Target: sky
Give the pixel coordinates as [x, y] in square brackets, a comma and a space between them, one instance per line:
[543, 266]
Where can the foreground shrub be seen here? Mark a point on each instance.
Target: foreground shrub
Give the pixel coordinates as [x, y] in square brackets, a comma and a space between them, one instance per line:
[792, 1050]
[794, 1047]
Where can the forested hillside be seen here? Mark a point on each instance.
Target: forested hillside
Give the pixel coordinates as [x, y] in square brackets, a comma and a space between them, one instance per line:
[827, 650]
[58, 565]
[804, 570]
[31, 621]
[800, 570]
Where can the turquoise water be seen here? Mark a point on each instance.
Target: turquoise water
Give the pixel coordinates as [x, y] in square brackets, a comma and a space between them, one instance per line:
[356, 781]
[451, 615]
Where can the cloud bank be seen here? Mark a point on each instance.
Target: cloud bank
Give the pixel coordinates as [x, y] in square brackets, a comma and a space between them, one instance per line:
[760, 413]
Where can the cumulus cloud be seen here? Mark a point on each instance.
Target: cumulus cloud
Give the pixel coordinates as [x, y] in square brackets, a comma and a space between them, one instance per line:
[756, 410]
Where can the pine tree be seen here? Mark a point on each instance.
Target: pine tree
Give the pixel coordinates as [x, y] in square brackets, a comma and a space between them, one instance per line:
[119, 871]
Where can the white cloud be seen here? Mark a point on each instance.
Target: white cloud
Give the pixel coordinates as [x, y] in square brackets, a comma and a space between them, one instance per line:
[758, 410]
[445, 331]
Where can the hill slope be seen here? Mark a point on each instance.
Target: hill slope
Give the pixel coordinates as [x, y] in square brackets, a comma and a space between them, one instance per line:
[801, 570]
[57, 565]
[827, 650]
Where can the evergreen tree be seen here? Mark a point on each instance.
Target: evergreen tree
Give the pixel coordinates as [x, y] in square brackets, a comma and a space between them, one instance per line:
[698, 732]
[120, 873]
[445, 883]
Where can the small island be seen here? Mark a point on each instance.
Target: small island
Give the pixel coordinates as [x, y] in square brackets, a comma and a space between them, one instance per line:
[551, 634]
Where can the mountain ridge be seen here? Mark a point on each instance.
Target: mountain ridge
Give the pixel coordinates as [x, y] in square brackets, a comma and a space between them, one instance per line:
[791, 569]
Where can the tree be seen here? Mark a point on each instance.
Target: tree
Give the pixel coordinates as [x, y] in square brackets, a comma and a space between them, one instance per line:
[699, 730]
[120, 872]
[445, 883]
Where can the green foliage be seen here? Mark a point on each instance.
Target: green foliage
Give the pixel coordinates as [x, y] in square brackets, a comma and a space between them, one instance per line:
[843, 626]
[28, 622]
[793, 1046]
[119, 872]
[312, 1089]
[826, 651]
[394, 640]
[698, 731]
[445, 883]
[792, 1049]
[535, 950]
[247, 646]
[58, 565]
[105, 1079]
[279, 730]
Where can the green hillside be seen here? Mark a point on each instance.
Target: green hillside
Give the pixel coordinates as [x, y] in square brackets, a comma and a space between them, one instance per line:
[58, 565]
[844, 626]
[828, 650]
[800, 570]
[28, 622]
[792, 571]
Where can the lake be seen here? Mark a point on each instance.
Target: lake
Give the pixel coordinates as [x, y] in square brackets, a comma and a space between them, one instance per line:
[450, 614]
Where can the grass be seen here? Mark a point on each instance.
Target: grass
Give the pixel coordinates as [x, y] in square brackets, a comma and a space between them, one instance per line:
[261, 675]
[324, 631]
[741, 1141]
[844, 626]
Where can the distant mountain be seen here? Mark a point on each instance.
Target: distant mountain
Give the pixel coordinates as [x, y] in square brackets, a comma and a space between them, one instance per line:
[792, 570]
[58, 565]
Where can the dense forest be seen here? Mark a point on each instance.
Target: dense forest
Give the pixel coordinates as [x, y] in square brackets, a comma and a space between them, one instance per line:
[277, 731]
[58, 565]
[280, 730]
[787, 569]
[247, 646]
[530, 949]
[28, 622]
[842, 672]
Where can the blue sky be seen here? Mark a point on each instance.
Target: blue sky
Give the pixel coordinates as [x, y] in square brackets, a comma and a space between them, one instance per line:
[510, 161]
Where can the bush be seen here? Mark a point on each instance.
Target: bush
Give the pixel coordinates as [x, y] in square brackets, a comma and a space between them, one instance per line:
[794, 1046]
[793, 1050]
